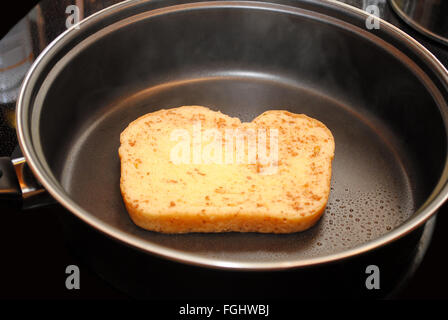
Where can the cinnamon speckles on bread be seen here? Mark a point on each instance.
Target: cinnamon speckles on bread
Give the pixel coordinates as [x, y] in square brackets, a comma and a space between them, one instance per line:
[183, 170]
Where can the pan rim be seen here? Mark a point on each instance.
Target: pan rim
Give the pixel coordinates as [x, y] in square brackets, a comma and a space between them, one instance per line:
[433, 202]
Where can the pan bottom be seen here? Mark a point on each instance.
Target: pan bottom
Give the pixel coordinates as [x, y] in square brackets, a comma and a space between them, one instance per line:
[370, 193]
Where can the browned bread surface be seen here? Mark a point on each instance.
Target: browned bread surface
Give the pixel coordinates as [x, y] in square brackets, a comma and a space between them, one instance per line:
[283, 196]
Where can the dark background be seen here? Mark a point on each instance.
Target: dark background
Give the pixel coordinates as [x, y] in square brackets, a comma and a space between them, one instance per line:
[34, 254]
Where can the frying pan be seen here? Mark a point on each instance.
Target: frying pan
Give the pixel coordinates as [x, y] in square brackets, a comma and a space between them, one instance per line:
[382, 94]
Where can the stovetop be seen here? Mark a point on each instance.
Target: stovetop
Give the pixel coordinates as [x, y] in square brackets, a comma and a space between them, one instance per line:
[34, 252]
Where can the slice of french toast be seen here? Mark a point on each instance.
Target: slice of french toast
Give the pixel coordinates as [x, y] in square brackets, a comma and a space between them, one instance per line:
[191, 169]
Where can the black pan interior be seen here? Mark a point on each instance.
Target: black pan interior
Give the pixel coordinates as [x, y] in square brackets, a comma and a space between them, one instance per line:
[390, 139]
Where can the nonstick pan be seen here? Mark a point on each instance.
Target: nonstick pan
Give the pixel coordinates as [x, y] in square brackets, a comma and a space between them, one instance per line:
[381, 93]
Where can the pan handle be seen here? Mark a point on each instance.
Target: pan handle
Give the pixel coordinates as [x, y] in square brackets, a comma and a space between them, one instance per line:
[18, 187]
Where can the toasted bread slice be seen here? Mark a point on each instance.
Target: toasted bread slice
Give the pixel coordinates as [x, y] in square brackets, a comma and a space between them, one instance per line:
[167, 187]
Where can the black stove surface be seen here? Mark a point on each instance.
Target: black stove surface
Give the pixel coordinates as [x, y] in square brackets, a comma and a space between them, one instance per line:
[35, 253]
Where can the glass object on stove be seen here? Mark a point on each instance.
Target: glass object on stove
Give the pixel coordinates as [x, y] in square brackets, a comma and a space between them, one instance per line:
[15, 59]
